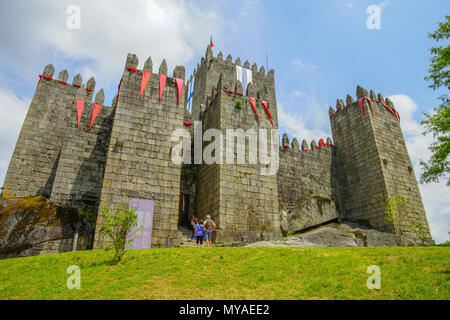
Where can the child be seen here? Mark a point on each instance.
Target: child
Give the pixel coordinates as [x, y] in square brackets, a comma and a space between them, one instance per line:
[199, 233]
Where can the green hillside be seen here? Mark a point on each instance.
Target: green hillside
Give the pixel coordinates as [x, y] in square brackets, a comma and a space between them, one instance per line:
[233, 273]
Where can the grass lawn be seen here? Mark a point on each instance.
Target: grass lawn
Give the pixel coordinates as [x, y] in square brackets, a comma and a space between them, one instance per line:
[233, 273]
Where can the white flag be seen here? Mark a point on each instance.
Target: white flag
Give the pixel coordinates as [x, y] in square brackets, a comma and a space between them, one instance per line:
[244, 75]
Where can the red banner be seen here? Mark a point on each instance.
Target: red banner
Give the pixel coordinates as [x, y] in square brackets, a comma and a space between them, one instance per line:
[180, 87]
[266, 107]
[162, 84]
[118, 90]
[253, 103]
[80, 107]
[95, 110]
[322, 143]
[145, 78]
[361, 106]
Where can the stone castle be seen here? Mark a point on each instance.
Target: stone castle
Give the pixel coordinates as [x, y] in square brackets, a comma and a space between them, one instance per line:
[125, 153]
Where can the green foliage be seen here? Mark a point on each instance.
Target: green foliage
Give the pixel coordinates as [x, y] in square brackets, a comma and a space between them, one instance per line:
[421, 231]
[439, 72]
[438, 123]
[117, 225]
[394, 213]
[88, 216]
[239, 104]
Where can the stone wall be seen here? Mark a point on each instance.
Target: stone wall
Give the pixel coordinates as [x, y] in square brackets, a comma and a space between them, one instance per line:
[242, 201]
[55, 157]
[139, 164]
[373, 159]
[81, 165]
[306, 174]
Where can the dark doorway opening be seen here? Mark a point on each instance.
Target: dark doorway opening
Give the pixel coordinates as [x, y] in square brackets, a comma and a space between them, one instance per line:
[183, 211]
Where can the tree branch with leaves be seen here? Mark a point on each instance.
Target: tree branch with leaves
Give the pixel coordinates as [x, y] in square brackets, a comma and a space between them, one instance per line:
[438, 123]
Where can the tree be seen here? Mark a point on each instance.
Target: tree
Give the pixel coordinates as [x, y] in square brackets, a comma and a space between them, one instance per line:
[438, 123]
[117, 225]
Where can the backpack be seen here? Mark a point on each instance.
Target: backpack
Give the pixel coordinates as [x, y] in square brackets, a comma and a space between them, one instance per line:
[199, 230]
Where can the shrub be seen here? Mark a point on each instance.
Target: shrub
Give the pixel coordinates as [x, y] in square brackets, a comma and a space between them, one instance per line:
[117, 225]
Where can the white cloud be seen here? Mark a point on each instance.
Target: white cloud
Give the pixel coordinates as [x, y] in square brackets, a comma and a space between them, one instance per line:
[174, 30]
[299, 63]
[12, 113]
[300, 124]
[434, 195]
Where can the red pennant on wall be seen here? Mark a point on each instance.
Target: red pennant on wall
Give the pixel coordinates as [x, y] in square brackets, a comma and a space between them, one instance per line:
[118, 90]
[80, 107]
[95, 110]
[180, 87]
[397, 114]
[361, 106]
[253, 103]
[266, 107]
[145, 77]
[322, 143]
[162, 84]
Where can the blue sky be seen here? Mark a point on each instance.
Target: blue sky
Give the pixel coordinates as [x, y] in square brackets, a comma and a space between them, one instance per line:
[320, 50]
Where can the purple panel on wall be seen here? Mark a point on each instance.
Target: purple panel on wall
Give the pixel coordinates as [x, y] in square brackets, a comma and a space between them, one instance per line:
[143, 237]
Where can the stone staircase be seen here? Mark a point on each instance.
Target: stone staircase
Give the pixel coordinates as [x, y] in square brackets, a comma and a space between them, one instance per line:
[184, 240]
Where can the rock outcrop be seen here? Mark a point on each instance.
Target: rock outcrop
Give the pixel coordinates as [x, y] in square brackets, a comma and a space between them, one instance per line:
[347, 234]
[310, 212]
[34, 226]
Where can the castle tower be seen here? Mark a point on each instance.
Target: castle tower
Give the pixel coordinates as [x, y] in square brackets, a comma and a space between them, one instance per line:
[55, 155]
[374, 162]
[139, 163]
[242, 201]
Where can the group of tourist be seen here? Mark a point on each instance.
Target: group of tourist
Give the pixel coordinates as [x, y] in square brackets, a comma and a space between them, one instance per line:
[202, 230]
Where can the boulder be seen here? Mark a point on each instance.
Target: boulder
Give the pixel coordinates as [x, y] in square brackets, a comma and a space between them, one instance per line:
[31, 226]
[347, 234]
[310, 212]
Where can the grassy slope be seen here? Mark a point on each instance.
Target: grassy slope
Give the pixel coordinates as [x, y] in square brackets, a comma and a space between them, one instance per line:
[233, 273]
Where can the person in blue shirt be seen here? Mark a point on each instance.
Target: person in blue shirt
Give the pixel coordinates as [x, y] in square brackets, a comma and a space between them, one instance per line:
[199, 233]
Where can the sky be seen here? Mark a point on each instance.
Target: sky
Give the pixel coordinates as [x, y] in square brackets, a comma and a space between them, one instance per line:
[320, 51]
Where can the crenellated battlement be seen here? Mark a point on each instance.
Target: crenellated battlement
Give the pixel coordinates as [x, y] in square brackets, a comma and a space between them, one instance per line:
[295, 146]
[366, 104]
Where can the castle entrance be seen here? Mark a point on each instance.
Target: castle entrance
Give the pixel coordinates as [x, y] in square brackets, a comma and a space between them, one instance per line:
[183, 211]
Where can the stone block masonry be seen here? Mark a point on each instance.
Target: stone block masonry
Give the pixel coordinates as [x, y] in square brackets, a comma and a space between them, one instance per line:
[139, 164]
[53, 156]
[305, 173]
[127, 155]
[374, 162]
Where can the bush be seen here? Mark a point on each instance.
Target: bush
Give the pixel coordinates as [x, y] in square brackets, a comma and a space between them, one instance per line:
[117, 225]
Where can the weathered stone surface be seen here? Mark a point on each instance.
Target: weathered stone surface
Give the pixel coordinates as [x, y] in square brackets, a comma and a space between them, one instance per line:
[347, 234]
[33, 226]
[310, 212]
[374, 161]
